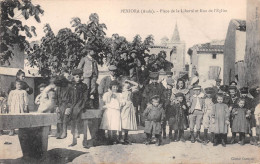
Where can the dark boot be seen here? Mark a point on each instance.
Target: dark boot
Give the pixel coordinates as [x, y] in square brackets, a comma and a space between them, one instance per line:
[178, 136]
[1, 132]
[64, 127]
[12, 132]
[158, 140]
[126, 141]
[175, 136]
[148, 139]
[212, 137]
[252, 139]
[192, 137]
[233, 138]
[198, 137]
[242, 142]
[205, 136]
[223, 140]
[182, 135]
[114, 137]
[170, 134]
[216, 136]
[74, 141]
[120, 138]
[58, 131]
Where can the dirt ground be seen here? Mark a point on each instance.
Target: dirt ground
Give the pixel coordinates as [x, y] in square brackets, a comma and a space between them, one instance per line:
[169, 152]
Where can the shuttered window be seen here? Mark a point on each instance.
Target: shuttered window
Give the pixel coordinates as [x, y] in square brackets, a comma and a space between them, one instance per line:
[214, 72]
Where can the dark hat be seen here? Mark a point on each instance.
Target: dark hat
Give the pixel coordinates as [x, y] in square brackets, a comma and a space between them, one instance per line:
[232, 82]
[224, 88]
[209, 90]
[169, 73]
[42, 85]
[61, 81]
[170, 82]
[154, 75]
[112, 68]
[76, 72]
[196, 87]
[254, 92]
[179, 94]
[114, 82]
[146, 55]
[124, 51]
[232, 87]
[218, 80]
[155, 97]
[244, 90]
[133, 51]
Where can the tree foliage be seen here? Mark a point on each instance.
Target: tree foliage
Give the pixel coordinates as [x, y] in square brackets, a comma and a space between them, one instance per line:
[11, 26]
[64, 50]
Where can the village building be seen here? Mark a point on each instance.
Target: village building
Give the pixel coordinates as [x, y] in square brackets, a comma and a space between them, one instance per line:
[207, 60]
[175, 51]
[234, 53]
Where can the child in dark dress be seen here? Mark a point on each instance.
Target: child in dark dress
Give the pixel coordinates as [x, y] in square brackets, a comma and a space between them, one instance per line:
[240, 118]
[177, 117]
[154, 116]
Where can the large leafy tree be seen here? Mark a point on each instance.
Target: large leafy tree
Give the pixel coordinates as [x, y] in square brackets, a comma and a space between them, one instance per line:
[11, 26]
[56, 53]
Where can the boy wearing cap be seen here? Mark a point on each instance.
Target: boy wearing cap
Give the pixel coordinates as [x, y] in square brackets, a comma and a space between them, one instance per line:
[154, 88]
[154, 116]
[90, 73]
[167, 102]
[207, 109]
[196, 112]
[80, 99]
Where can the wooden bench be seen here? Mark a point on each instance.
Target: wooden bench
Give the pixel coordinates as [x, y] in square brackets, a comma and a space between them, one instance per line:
[33, 131]
[91, 119]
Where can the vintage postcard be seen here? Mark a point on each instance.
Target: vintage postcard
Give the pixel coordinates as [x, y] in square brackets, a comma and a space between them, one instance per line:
[133, 81]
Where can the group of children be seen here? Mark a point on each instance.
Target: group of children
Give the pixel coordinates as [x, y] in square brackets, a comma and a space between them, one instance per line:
[216, 108]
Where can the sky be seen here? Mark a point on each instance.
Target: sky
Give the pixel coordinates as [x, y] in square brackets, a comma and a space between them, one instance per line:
[194, 27]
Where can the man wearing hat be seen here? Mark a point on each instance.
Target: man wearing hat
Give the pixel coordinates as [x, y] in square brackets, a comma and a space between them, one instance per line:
[169, 76]
[90, 73]
[154, 88]
[249, 105]
[144, 78]
[207, 110]
[123, 64]
[196, 112]
[135, 66]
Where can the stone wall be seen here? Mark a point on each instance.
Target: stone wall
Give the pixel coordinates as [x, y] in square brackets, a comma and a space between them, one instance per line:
[252, 56]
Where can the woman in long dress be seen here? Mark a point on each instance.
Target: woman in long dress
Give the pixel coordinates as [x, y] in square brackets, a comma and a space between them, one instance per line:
[128, 113]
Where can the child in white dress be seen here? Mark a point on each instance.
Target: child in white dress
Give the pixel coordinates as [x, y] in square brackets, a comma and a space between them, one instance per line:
[17, 101]
[111, 120]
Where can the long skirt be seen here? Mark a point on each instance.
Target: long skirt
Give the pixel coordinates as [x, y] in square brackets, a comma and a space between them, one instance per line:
[111, 120]
[128, 117]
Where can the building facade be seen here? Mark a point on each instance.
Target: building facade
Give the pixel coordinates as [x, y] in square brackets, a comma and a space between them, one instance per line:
[207, 60]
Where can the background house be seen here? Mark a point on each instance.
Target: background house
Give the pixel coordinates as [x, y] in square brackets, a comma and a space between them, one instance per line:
[234, 53]
[207, 60]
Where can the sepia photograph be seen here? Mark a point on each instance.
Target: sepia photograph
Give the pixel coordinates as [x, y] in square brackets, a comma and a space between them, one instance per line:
[129, 82]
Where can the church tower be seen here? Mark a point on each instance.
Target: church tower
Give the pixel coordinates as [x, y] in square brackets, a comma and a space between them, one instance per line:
[177, 53]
